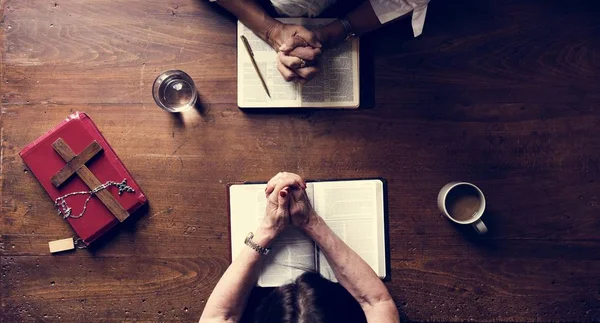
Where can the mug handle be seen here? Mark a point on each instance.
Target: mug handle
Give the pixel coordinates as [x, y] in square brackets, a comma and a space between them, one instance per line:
[480, 227]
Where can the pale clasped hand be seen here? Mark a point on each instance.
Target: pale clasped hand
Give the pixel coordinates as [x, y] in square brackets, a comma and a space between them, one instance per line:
[287, 203]
[302, 213]
[277, 215]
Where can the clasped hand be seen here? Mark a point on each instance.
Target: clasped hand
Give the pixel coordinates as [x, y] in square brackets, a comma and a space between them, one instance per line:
[287, 203]
[298, 51]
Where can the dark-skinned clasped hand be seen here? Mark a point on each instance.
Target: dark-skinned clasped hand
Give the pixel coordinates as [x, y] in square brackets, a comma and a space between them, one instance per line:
[297, 61]
[298, 52]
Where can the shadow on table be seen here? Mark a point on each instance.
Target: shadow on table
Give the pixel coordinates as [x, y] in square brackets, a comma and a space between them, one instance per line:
[129, 226]
[483, 241]
[191, 118]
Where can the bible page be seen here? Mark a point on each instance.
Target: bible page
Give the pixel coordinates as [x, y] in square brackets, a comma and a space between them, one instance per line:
[291, 253]
[354, 210]
[250, 90]
[337, 84]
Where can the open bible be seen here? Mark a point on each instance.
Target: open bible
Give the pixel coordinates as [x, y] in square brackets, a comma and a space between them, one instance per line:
[336, 85]
[353, 209]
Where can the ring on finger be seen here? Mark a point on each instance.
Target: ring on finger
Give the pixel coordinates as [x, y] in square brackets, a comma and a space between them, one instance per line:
[302, 63]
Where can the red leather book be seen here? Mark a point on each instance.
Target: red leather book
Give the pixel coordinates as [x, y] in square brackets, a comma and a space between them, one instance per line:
[78, 131]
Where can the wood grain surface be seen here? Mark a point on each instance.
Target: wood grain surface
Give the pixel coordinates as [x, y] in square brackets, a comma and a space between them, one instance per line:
[504, 94]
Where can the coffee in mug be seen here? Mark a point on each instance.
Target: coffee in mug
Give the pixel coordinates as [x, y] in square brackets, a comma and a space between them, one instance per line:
[463, 203]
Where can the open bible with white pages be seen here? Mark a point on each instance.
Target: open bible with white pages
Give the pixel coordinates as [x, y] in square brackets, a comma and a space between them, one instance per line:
[353, 209]
[336, 85]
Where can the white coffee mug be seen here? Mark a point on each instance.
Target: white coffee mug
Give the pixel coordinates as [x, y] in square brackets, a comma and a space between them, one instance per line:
[474, 220]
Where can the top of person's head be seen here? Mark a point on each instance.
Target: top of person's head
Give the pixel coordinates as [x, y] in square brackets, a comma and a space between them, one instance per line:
[309, 299]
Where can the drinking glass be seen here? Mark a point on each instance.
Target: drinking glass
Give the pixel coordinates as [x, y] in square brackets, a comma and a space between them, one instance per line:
[174, 91]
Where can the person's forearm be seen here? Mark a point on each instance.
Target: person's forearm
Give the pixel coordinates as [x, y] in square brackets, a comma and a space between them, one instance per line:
[253, 16]
[228, 299]
[349, 268]
[362, 19]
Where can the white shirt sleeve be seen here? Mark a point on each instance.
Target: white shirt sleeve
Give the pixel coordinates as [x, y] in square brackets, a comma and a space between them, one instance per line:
[387, 10]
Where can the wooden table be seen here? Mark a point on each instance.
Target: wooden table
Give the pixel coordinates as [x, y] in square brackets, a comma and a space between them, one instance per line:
[504, 94]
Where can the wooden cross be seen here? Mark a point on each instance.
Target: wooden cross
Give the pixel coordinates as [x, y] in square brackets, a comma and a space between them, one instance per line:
[76, 165]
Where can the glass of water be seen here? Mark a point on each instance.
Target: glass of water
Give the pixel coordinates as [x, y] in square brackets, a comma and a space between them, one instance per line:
[174, 91]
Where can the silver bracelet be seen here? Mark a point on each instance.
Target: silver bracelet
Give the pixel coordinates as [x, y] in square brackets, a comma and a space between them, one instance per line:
[261, 250]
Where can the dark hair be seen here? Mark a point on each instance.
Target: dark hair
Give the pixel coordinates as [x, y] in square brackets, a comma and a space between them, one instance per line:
[309, 299]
